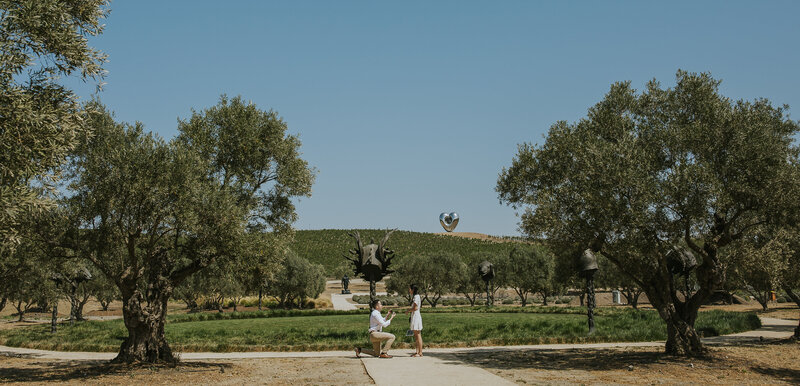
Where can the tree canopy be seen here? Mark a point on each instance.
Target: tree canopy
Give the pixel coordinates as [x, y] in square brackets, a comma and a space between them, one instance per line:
[645, 172]
[149, 213]
[41, 121]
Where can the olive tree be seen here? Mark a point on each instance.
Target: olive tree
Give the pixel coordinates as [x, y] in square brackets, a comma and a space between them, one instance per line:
[759, 262]
[435, 274]
[647, 171]
[609, 276]
[42, 42]
[469, 281]
[297, 280]
[25, 278]
[103, 290]
[405, 274]
[787, 245]
[532, 269]
[150, 213]
[791, 280]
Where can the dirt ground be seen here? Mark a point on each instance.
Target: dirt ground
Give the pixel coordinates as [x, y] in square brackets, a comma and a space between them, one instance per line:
[277, 371]
[772, 363]
[763, 363]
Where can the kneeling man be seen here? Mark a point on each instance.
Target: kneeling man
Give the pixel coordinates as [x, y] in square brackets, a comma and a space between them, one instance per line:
[376, 334]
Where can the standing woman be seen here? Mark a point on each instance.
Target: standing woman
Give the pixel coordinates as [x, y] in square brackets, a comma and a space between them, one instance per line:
[416, 319]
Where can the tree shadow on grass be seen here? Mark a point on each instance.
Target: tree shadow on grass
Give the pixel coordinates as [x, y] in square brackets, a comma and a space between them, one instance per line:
[62, 371]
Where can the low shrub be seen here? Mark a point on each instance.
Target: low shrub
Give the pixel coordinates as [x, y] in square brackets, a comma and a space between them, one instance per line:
[322, 303]
[454, 302]
[508, 301]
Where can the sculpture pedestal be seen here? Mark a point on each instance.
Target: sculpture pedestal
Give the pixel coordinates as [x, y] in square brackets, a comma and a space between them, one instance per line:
[345, 292]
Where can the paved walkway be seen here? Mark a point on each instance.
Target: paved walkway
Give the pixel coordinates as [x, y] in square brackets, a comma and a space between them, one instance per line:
[439, 366]
[341, 302]
[433, 369]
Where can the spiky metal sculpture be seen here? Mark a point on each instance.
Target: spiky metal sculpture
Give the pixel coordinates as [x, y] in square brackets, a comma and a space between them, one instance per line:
[371, 261]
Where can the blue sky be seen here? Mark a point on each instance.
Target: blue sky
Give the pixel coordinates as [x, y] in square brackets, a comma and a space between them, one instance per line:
[411, 108]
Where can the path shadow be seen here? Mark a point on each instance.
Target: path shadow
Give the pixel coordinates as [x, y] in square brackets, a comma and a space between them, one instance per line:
[578, 359]
[13, 354]
[788, 375]
[64, 371]
[768, 332]
[595, 360]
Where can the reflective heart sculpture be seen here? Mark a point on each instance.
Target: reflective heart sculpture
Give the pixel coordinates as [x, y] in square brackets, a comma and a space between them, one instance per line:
[448, 221]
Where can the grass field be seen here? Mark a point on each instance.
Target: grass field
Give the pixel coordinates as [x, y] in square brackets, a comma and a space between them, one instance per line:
[337, 331]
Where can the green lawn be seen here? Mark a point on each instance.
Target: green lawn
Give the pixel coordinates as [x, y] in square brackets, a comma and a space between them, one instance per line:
[332, 332]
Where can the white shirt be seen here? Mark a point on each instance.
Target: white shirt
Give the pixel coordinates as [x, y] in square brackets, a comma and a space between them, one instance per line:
[377, 322]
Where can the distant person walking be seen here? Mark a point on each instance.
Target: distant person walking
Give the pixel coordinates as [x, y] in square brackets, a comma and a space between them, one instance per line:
[376, 334]
[415, 320]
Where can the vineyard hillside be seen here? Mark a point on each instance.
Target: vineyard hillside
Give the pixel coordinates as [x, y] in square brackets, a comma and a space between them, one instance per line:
[327, 246]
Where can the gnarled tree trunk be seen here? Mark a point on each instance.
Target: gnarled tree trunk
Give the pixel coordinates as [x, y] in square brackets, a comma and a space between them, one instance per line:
[471, 297]
[632, 297]
[682, 338]
[144, 318]
[544, 294]
[54, 318]
[796, 298]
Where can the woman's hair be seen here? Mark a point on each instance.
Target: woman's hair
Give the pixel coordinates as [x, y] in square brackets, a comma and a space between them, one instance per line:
[374, 303]
[414, 289]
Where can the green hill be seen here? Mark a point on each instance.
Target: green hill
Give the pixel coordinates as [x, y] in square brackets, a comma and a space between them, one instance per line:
[327, 246]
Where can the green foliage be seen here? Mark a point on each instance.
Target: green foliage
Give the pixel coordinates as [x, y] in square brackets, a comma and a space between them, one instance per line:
[532, 269]
[25, 278]
[469, 282]
[297, 280]
[435, 274]
[150, 213]
[645, 171]
[42, 41]
[295, 330]
[104, 290]
[327, 246]
[760, 262]
[250, 153]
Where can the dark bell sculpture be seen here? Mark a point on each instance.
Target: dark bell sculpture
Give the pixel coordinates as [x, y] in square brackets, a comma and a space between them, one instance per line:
[587, 266]
[486, 270]
[587, 262]
[680, 261]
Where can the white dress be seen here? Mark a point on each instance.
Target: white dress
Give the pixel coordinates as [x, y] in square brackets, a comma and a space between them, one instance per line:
[416, 317]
